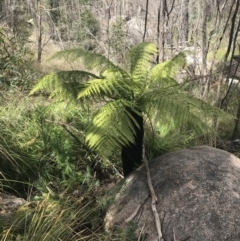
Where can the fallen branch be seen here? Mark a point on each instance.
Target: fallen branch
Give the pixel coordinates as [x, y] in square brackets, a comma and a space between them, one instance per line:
[65, 126]
[174, 236]
[154, 198]
[136, 211]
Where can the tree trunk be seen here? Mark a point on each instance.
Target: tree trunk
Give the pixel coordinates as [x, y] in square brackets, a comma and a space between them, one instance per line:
[1, 6]
[204, 70]
[185, 24]
[145, 24]
[235, 133]
[132, 153]
[55, 12]
[158, 31]
[162, 30]
[39, 30]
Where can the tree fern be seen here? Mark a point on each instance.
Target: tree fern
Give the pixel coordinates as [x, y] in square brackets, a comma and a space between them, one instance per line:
[127, 96]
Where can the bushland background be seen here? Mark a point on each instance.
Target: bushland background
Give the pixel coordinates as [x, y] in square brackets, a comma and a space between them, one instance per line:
[43, 155]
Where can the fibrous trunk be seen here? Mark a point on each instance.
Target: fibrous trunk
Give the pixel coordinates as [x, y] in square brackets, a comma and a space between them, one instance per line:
[132, 153]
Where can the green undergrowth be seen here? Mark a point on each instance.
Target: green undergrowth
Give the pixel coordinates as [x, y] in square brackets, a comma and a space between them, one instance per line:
[45, 159]
[37, 143]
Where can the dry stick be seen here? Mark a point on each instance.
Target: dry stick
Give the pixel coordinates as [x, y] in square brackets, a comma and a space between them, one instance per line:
[174, 236]
[133, 215]
[65, 127]
[135, 212]
[154, 198]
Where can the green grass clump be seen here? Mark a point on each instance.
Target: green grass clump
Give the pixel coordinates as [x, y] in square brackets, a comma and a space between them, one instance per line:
[49, 220]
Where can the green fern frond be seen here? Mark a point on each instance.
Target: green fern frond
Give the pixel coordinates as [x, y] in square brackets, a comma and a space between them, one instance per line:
[123, 81]
[63, 85]
[113, 81]
[140, 57]
[112, 127]
[141, 53]
[181, 107]
[112, 84]
[104, 88]
[90, 60]
[164, 73]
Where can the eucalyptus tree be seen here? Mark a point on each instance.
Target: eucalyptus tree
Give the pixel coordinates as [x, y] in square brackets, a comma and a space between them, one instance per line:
[126, 98]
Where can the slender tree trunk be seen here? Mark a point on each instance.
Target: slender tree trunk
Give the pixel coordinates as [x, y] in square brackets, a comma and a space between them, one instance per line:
[232, 40]
[132, 153]
[185, 25]
[162, 30]
[204, 70]
[195, 39]
[158, 31]
[231, 46]
[1, 6]
[235, 132]
[39, 30]
[108, 11]
[218, 95]
[146, 20]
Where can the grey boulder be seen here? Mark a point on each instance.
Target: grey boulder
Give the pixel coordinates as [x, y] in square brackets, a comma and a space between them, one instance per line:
[198, 191]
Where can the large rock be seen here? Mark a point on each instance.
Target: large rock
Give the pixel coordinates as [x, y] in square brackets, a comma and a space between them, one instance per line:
[198, 192]
[10, 210]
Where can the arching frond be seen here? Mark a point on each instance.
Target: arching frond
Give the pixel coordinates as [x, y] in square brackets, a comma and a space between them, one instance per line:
[181, 107]
[112, 127]
[163, 74]
[115, 84]
[140, 57]
[63, 85]
[90, 60]
[106, 88]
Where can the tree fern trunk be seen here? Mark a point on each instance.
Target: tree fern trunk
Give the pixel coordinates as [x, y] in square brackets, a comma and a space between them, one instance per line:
[132, 153]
